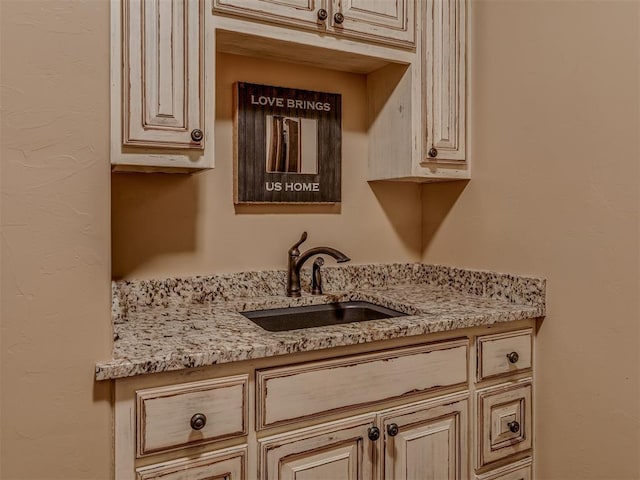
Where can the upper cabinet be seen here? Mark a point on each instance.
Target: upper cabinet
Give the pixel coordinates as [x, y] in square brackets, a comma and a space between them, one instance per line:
[418, 117]
[158, 93]
[413, 54]
[382, 21]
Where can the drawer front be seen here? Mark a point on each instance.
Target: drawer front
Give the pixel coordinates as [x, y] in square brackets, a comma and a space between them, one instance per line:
[504, 421]
[503, 354]
[191, 414]
[287, 394]
[230, 464]
[516, 471]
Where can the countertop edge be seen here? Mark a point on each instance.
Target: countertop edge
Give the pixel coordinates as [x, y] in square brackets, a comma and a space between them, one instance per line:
[122, 368]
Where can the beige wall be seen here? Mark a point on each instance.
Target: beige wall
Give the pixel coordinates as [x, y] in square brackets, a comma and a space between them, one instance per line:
[174, 225]
[56, 423]
[556, 123]
[554, 192]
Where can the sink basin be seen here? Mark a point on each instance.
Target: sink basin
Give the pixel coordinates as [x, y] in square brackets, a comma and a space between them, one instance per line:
[283, 319]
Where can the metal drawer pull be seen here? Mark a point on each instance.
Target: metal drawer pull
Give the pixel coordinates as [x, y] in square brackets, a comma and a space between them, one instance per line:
[198, 421]
[374, 433]
[514, 427]
[197, 135]
[513, 357]
[392, 429]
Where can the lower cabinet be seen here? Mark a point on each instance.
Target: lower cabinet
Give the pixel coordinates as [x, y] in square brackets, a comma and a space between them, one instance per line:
[230, 464]
[516, 471]
[413, 411]
[423, 440]
[426, 440]
[342, 450]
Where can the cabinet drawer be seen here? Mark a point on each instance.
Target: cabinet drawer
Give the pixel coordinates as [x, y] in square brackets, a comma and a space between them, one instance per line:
[516, 471]
[503, 353]
[287, 394]
[191, 414]
[230, 464]
[504, 421]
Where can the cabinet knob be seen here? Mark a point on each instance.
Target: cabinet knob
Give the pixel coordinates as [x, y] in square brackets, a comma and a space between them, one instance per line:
[198, 421]
[514, 426]
[374, 433]
[433, 152]
[322, 14]
[338, 18]
[196, 135]
[513, 357]
[392, 429]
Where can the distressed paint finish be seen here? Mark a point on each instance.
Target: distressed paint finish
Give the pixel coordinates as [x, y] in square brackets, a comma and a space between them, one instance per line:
[493, 351]
[163, 96]
[431, 442]
[164, 414]
[228, 464]
[338, 450]
[383, 22]
[497, 407]
[287, 394]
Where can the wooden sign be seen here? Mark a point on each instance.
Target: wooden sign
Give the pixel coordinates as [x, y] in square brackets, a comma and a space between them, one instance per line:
[287, 145]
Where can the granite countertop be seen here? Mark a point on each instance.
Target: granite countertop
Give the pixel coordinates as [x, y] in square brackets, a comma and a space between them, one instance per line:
[173, 324]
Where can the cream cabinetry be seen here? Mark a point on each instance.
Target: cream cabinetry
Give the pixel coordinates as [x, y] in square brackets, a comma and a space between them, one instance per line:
[444, 53]
[517, 471]
[382, 21]
[191, 414]
[426, 440]
[418, 112]
[342, 450]
[158, 85]
[504, 410]
[413, 54]
[291, 393]
[228, 464]
[394, 410]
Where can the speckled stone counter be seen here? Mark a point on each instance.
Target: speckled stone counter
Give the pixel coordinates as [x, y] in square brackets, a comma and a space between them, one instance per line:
[173, 324]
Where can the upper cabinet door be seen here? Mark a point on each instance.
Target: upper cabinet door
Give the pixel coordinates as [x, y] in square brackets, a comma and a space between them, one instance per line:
[163, 94]
[297, 12]
[390, 22]
[385, 21]
[444, 70]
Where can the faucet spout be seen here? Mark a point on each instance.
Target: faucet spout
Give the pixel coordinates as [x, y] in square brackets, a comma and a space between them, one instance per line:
[297, 260]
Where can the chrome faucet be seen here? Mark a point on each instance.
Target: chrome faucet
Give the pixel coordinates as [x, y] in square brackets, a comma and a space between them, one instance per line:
[296, 260]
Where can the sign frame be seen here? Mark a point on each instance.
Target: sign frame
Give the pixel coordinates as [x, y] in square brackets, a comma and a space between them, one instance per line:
[287, 145]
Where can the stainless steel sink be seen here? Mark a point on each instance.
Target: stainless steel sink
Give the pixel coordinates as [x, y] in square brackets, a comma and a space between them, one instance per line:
[283, 319]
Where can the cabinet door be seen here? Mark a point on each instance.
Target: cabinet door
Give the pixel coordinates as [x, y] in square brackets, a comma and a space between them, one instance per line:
[338, 450]
[230, 464]
[426, 440]
[163, 92]
[385, 21]
[444, 50]
[302, 13]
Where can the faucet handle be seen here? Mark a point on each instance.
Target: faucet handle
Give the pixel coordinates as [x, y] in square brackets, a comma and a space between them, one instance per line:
[294, 249]
[316, 277]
